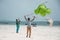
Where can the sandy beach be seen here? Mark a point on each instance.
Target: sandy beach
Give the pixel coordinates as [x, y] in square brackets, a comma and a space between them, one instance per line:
[8, 32]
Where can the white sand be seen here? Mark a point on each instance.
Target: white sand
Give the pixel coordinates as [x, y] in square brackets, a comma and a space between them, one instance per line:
[7, 32]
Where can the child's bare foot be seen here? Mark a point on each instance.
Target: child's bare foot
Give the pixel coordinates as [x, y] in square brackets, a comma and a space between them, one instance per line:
[27, 36]
[16, 32]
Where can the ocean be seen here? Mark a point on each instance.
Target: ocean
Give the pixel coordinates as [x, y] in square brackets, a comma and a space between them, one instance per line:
[45, 23]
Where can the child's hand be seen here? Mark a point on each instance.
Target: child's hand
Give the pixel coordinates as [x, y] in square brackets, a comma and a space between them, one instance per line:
[34, 17]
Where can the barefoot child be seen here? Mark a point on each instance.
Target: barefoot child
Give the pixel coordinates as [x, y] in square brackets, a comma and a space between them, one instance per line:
[29, 26]
[50, 22]
[17, 25]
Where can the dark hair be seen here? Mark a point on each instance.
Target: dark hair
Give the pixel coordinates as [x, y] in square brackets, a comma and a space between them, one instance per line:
[28, 18]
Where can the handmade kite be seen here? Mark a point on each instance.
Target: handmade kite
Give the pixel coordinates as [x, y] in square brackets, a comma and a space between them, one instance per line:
[42, 10]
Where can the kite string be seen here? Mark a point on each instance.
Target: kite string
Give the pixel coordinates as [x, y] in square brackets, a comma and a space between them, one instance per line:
[43, 2]
[28, 14]
[31, 14]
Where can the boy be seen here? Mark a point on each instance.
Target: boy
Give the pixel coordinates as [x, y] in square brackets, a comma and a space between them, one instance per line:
[50, 22]
[29, 26]
[17, 25]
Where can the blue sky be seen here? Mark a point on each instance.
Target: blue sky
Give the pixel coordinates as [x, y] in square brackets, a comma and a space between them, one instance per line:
[12, 9]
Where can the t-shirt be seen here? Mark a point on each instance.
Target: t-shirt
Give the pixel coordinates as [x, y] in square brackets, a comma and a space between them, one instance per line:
[29, 23]
[17, 21]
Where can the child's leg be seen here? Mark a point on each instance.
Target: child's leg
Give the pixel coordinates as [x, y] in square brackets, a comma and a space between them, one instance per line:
[17, 30]
[51, 24]
[30, 32]
[27, 32]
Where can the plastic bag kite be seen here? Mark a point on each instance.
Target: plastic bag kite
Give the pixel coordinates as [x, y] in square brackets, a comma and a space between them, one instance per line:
[42, 10]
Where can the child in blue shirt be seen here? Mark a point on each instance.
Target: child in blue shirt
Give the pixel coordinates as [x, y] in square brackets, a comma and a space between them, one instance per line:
[17, 25]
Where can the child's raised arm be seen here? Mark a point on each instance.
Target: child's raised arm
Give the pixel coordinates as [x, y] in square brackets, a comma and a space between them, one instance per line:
[33, 18]
[25, 17]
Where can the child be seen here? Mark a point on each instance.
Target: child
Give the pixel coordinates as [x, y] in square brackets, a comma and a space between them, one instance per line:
[50, 22]
[17, 25]
[29, 26]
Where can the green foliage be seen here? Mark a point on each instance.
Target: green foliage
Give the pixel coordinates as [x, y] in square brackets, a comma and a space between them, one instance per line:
[42, 10]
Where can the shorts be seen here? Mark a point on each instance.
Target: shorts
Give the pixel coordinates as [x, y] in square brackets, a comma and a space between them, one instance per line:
[29, 27]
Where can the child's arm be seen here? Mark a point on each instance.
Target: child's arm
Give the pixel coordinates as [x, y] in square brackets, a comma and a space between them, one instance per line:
[33, 18]
[25, 17]
[19, 21]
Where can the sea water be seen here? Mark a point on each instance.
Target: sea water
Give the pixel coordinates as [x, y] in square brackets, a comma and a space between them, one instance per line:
[55, 23]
